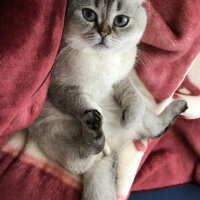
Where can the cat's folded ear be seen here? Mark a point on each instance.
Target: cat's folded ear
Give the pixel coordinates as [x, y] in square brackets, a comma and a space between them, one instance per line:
[137, 2]
[140, 2]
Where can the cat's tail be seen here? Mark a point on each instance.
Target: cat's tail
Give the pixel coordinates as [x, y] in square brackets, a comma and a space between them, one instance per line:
[99, 181]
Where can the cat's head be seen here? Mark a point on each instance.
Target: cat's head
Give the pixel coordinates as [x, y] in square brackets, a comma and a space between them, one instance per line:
[104, 25]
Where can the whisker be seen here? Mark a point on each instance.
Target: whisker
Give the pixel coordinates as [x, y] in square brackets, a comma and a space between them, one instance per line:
[144, 58]
[68, 49]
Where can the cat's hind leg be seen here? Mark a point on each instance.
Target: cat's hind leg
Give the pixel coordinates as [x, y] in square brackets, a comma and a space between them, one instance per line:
[67, 141]
[153, 126]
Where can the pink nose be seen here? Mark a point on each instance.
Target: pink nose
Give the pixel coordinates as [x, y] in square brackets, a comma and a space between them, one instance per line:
[103, 34]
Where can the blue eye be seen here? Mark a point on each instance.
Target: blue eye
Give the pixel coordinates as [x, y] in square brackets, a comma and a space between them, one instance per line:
[89, 15]
[121, 21]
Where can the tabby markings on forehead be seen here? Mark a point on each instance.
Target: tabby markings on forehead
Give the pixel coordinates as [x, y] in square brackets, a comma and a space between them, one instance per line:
[109, 3]
[96, 3]
[119, 5]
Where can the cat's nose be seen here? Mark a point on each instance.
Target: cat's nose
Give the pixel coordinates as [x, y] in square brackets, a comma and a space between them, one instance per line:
[103, 34]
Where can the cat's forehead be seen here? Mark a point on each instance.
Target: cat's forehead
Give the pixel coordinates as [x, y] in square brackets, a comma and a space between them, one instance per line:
[114, 5]
[108, 3]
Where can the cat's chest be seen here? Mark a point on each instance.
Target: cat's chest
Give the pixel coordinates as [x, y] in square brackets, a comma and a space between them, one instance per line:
[101, 72]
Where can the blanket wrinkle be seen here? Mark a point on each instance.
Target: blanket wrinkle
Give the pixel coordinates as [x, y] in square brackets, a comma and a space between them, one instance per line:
[170, 56]
[168, 16]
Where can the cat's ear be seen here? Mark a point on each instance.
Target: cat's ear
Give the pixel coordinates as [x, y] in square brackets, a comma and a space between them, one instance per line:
[137, 2]
[140, 2]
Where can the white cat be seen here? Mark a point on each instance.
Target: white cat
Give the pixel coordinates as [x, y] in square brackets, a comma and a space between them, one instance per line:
[91, 100]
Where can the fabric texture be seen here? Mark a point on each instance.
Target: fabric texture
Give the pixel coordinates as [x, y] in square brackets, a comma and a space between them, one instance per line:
[30, 33]
[168, 67]
[171, 44]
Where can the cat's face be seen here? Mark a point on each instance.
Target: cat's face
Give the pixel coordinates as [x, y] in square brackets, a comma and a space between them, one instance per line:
[105, 24]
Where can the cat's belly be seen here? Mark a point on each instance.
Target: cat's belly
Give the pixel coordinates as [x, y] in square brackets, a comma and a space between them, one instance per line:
[102, 96]
[115, 135]
[99, 90]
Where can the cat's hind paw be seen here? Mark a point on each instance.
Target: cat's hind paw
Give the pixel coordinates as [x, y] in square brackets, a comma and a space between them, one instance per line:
[92, 130]
[170, 114]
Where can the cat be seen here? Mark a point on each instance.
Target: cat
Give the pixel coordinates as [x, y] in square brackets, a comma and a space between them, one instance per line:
[93, 109]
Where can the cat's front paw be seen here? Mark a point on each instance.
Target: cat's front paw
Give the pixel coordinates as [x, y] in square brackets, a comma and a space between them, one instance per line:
[92, 130]
[130, 116]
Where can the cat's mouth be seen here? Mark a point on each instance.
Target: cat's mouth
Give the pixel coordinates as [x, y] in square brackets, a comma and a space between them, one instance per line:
[101, 45]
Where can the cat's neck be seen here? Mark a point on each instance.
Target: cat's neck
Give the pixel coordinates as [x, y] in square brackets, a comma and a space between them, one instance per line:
[106, 56]
[108, 67]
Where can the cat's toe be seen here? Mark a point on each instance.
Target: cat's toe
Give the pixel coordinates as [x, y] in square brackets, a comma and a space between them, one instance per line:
[178, 106]
[93, 119]
[181, 106]
[173, 111]
[130, 117]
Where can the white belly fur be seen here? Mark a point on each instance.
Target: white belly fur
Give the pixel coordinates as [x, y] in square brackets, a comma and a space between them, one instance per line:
[99, 73]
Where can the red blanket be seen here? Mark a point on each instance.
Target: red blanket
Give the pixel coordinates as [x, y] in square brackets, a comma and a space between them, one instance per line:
[171, 43]
[30, 32]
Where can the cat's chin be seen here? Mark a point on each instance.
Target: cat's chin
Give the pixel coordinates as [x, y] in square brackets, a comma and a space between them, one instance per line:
[101, 46]
[97, 48]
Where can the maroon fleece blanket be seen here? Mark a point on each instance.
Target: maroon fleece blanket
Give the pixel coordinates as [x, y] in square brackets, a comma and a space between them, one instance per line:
[30, 33]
